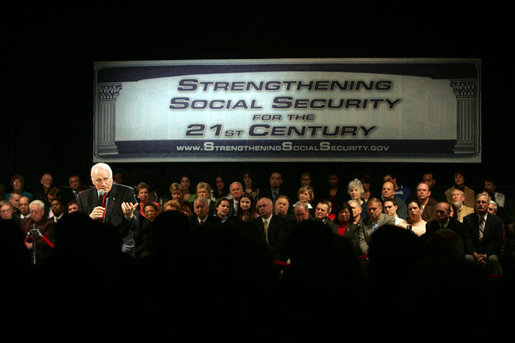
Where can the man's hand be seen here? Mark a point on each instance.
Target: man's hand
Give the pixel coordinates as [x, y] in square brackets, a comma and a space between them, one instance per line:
[128, 209]
[97, 213]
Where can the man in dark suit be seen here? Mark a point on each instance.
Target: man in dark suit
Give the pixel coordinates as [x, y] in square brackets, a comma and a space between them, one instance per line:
[202, 217]
[275, 187]
[485, 236]
[113, 204]
[444, 220]
[271, 228]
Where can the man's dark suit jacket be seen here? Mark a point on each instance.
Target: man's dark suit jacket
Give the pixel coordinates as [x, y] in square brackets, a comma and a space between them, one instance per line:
[432, 226]
[492, 237]
[277, 234]
[211, 220]
[114, 216]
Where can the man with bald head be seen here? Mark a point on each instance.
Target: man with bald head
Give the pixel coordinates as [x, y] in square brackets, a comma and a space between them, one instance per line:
[444, 220]
[111, 203]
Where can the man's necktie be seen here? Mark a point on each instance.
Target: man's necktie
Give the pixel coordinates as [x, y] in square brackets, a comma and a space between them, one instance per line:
[265, 226]
[481, 227]
[104, 206]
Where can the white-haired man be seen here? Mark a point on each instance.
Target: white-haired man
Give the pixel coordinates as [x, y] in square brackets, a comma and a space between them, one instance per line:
[111, 203]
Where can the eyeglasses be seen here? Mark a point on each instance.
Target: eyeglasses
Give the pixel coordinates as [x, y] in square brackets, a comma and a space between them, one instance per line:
[102, 180]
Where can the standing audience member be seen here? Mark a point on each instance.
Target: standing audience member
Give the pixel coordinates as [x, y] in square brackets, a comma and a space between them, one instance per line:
[220, 189]
[485, 233]
[275, 187]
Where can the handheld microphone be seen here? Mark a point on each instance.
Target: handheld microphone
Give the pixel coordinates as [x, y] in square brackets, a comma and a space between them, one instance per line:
[101, 193]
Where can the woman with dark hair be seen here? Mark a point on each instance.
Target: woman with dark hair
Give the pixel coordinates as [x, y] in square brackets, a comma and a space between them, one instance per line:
[246, 208]
[344, 218]
[249, 185]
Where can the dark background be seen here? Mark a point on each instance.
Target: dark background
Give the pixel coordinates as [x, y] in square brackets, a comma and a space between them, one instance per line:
[48, 54]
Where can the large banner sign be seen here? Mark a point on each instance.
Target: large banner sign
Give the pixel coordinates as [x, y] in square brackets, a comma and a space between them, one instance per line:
[399, 110]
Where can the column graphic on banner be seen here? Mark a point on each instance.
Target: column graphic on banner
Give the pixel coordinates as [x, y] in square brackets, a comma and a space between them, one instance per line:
[467, 125]
[105, 118]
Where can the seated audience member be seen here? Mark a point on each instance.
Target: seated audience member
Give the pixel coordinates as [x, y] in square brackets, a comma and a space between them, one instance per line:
[187, 208]
[57, 210]
[202, 217]
[272, 229]
[46, 182]
[73, 206]
[427, 204]
[172, 205]
[248, 184]
[400, 191]
[14, 200]
[143, 233]
[23, 207]
[176, 192]
[306, 195]
[485, 237]
[220, 189]
[301, 211]
[305, 179]
[376, 219]
[18, 184]
[334, 192]
[493, 208]
[275, 187]
[415, 221]
[390, 208]
[282, 208]
[444, 220]
[436, 192]
[185, 184]
[344, 218]
[356, 192]
[222, 211]
[246, 208]
[236, 190]
[143, 195]
[459, 183]
[6, 210]
[322, 211]
[499, 198]
[460, 210]
[387, 192]
[203, 190]
[44, 226]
